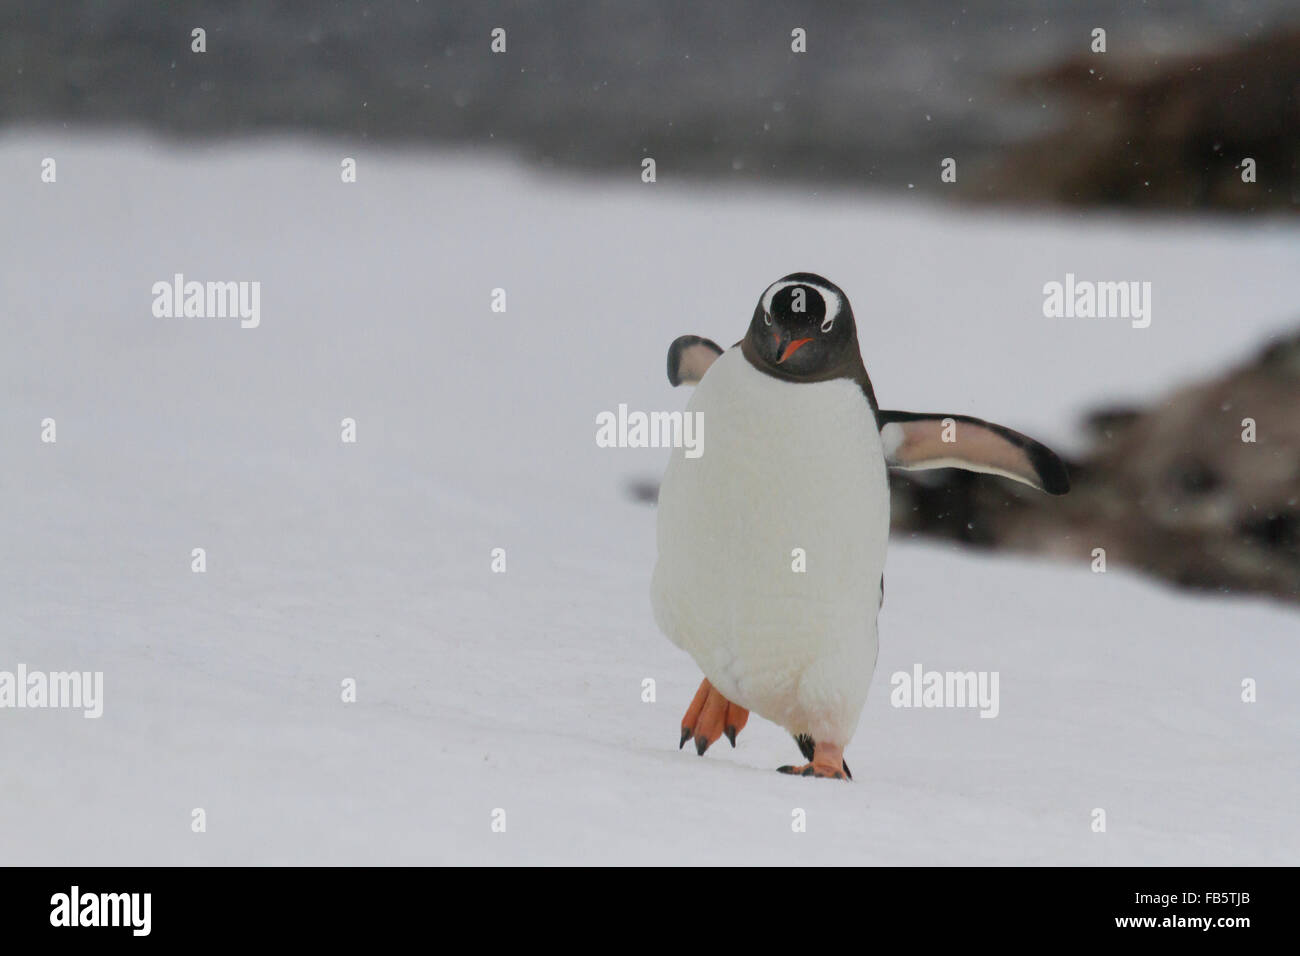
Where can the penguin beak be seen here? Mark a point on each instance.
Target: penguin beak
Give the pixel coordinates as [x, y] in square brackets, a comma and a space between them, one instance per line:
[793, 347]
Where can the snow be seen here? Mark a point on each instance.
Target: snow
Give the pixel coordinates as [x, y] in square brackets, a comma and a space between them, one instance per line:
[522, 690]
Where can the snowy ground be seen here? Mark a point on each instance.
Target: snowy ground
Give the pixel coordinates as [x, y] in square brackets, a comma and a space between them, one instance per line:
[476, 431]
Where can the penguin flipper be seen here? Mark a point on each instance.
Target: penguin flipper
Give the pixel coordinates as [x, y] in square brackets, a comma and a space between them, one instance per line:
[689, 357]
[916, 441]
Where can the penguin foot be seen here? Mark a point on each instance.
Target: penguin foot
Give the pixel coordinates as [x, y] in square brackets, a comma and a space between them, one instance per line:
[709, 717]
[811, 770]
[827, 762]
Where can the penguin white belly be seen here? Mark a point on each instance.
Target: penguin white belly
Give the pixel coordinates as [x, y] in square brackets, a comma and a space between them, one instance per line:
[785, 466]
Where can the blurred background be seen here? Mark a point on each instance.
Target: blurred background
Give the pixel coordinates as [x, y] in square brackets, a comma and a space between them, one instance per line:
[1040, 123]
[1183, 90]
[126, 158]
[1157, 125]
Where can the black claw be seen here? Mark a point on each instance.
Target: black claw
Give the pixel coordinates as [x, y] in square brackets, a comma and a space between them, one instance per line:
[731, 735]
[848, 773]
[701, 744]
[786, 769]
[686, 735]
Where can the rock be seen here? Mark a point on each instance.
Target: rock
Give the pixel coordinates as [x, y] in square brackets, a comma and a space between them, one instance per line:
[1169, 133]
[1176, 490]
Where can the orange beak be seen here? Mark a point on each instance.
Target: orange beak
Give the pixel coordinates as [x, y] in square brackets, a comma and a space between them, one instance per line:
[793, 347]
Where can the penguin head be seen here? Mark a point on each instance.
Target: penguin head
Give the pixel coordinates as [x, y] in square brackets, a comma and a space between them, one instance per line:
[803, 327]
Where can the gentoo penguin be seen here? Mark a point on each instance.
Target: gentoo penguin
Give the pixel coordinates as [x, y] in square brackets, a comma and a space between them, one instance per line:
[772, 542]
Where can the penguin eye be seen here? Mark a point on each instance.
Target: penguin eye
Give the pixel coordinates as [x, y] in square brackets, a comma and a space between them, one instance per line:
[767, 318]
[827, 323]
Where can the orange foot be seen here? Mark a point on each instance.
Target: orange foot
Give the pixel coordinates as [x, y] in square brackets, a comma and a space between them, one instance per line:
[709, 717]
[827, 761]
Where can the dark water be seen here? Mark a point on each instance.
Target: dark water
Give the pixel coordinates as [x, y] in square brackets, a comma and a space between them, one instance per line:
[708, 89]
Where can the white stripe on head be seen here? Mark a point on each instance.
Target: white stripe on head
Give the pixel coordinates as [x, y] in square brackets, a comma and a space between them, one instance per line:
[833, 300]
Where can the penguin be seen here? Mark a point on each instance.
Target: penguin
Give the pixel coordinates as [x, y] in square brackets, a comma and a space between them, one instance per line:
[771, 543]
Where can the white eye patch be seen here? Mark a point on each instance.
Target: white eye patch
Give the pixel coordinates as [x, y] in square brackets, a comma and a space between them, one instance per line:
[834, 303]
